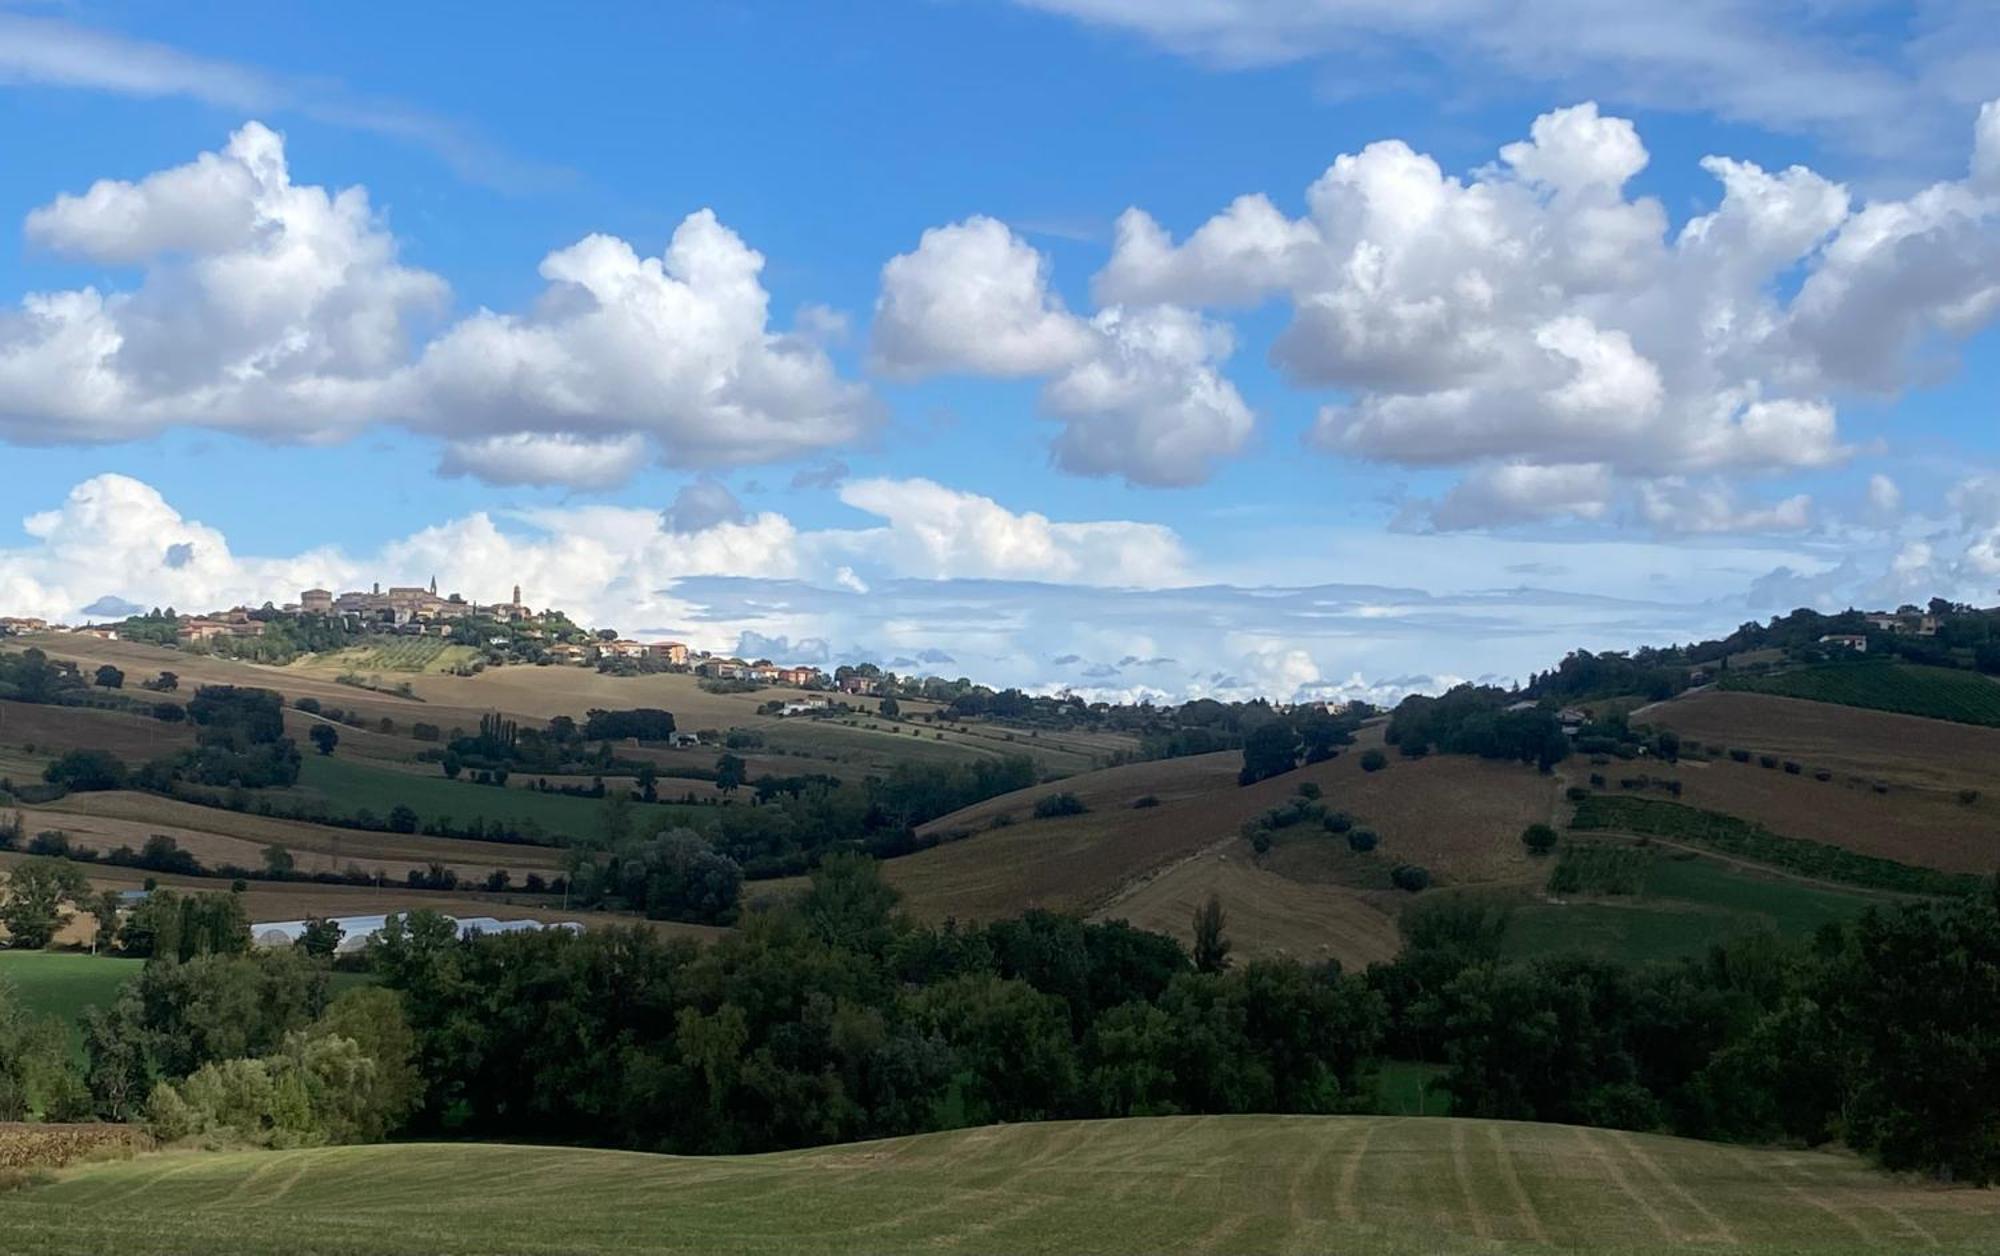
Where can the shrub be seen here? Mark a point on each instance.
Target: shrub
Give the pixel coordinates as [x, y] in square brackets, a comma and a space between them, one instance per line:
[1338, 822]
[1793, 767]
[1597, 780]
[1145, 800]
[1540, 839]
[1968, 796]
[1308, 790]
[1261, 843]
[1881, 787]
[1739, 754]
[1576, 793]
[1767, 761]
[1373, 761]
[1822, 774]
[1049, 806]
[1410, 877]
[1361, 841]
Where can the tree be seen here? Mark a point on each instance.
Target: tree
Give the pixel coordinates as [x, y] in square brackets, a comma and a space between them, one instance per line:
[1540, 839]
[278, 861]
[1211, 944]
[169, 712]
[109, 677]
[402, 819]
[891, 708]
[320, 938]
[104, 906]
[615, 817]
[1411, 877]
[86, 770]
[324, 738]
[1271, 748]
[729, 772]
[39, 893]
[1373, 760]
[167, 682]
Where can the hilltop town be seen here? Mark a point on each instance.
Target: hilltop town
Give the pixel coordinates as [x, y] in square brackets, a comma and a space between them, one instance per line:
[500, 632]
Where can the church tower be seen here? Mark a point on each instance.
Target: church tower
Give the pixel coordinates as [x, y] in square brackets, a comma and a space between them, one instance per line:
[517, 595]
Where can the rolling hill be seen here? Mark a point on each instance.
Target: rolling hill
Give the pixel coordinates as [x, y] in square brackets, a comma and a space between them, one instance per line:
[1192, 1184]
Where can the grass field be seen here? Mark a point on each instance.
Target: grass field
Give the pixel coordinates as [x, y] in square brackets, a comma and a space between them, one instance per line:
[1743, 839]
[349, 785]
[397, 654]
[57, 983]
[1356, 1185]
[1939, 693]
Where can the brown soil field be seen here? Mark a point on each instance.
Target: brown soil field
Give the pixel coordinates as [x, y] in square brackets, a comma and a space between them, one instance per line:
[1267, 914]
[1849, 741]
[1926, 827]
[1461, 818]
[50, 1146]
[131, 737]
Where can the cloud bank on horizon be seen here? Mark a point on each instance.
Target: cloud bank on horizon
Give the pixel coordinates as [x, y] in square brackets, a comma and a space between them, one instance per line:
[1598, 417]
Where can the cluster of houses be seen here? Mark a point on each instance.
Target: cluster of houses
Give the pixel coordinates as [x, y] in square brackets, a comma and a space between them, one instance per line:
[1902, 623]
[677, 656]
[401, 606]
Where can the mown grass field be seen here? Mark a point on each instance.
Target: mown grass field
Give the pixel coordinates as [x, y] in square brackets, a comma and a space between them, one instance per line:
[65, 985]
[348, 785]
[1355, 1185]
[1939, 693]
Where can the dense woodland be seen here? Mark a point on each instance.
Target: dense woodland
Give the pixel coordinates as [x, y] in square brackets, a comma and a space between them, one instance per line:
[836, 1018]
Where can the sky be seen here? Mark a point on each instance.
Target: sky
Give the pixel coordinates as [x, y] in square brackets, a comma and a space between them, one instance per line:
[1142, 348]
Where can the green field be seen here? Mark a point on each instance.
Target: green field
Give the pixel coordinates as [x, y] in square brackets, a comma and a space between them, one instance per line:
[397, 654]
[1354, 1185]
[64, 984]
[1939, 693]
[1683, 906]
[1744, 839]
[348, 785]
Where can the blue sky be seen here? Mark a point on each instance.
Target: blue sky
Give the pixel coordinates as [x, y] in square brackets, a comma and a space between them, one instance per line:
[1522, 373]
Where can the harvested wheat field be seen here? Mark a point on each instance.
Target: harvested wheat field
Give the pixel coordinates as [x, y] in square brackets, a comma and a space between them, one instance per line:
[1461, 818]
[1268, 915]
[52, 729]
[1848, 741]
[120, 817]
[1360, 1186]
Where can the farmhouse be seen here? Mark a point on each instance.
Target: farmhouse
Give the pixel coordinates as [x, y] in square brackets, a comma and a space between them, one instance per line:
[1907, 623]
[1846, 641]
[672, 653]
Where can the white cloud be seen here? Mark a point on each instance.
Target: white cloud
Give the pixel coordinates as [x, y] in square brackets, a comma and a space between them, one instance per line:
[1864, 72]
[1676, 505]
[677, 347]
[281, 310]
[973, 298]
[1885, 500]
[1149, 403]
[1534, 314]
[1138, 389]
[701, 504]
[1519, 493]
[940, 532]
[530, 458]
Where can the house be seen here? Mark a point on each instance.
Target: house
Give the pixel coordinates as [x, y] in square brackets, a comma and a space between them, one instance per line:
[862, 685]
[798, 677]
[316, 602]
[101, 633]
[1572, 720]
[1846, 641]
[766, 673]
[806, 706]
[682, 741]
[13, 624]
[563, 652]
[1526, 705]
[1905, 623]
[672, 653]
[622, 649]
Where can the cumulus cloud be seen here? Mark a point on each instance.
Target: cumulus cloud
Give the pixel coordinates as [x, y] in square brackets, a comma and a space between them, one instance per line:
[941, 532]
[531, 458]
[1885, 499]
[701, 505]
[1676, 505]
[1533, 313]
[1138, 389]
[1520, 493]
[281, 310]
